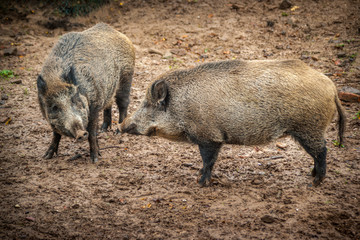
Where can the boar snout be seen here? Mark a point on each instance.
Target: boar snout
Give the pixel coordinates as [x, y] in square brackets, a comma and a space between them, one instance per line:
[81, 135]
[132, 129]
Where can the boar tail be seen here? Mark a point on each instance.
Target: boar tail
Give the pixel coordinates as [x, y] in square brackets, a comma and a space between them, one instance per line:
[341, 120]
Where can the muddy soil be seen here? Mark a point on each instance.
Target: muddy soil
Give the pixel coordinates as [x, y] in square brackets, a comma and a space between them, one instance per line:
[146, 188]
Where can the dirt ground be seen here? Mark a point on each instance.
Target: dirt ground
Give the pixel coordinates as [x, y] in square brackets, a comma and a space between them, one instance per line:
[146, 188]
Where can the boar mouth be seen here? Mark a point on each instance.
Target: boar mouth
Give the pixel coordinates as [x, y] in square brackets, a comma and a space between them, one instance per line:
[151, 132]
[81, 135]
[131, 129]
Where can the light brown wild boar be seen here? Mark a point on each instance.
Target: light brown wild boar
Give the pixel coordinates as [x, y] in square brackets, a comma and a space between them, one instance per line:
[241, 102]
[83, 74]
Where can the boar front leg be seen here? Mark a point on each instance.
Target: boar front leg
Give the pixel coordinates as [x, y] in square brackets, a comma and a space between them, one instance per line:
[122, 96]
[53, 146]
[92, 130]
[107, 119]
[209, 153]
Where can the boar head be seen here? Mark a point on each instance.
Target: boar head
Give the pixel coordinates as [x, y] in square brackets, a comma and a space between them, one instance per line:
[63, 105]
[155, 115]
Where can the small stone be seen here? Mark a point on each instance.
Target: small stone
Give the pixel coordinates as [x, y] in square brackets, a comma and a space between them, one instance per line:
[256, 181]
[178, 52]
[267, 219]
[303, 57]
[187, 164]
[349, 97]
[10, 51]
[350, 90]
[20, 53]
[167, 54]
[341, 55]
[30, 219]
[155, 51]
[285, 5]
[17, 206]
[314, 58]
[75, 206]
[4, 96]
[16, 81]
[270, 23]
[235, 7]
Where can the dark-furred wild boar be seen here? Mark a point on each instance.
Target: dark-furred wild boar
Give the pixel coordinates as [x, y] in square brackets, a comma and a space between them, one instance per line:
[82, 76]
[241, 102]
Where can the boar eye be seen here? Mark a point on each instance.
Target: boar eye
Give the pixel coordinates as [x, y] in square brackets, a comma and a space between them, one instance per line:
[55, 108]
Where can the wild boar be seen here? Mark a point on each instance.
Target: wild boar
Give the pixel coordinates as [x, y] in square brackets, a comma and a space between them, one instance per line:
[241, 102]
[82, 75]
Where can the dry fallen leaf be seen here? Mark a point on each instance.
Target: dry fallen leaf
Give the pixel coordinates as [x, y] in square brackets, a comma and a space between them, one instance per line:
[294, 8]
[337, 62]
[8, 121]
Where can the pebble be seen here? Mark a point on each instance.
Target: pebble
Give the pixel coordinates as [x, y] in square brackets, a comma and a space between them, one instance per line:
[17, 206]
[75, 206]
[167, 54]
[30, 219]
[349, 94]
[281, 145]
[341, 55]
[314, 58]
[256, 182]
[179, 52]
[285, 5]
[16, 81]
[155, 51]
[267, 219]
[350, 90]
[10, 51]
[4, 96]
[270, 23]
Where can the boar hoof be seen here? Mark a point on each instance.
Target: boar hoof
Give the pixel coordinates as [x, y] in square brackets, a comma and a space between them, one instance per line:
[104, 127]
[318, 180]
[49, 154]
[94, 159]
[204, 181]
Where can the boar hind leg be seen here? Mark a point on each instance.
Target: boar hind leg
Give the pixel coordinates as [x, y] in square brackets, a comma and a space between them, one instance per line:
[53, 146]
[122, 96]
[209, 153]
[107, 119]
[93, 142]
[317, 150]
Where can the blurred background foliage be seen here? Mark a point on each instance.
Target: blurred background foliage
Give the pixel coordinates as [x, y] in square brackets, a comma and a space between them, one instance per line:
[64, 8]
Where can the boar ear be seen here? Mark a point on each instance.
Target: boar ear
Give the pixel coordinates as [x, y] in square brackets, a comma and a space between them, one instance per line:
[70, 76]
[159, 93]
[41, 85]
